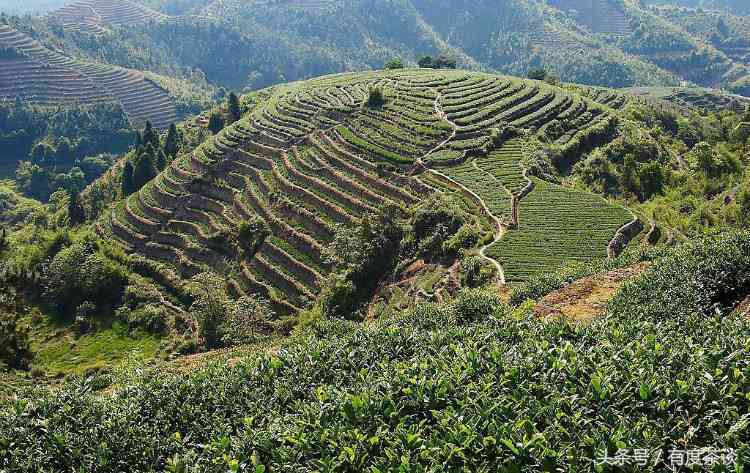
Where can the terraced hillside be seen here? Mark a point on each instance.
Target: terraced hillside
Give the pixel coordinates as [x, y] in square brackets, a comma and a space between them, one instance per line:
[314, 156]
[42, 75]
[599, 16]
[93, 16]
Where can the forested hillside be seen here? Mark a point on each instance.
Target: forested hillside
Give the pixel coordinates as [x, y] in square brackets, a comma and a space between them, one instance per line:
[602, 42]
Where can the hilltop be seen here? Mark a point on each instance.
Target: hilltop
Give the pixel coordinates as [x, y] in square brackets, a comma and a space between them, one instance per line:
[312, 156]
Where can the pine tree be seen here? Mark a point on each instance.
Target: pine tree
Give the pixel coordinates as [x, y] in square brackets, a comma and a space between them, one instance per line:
[161, 160]
[172, 143]
[150, 136]
[128, 182]
[76, 212]
[3, 239]
[235, 109]
[145, 167]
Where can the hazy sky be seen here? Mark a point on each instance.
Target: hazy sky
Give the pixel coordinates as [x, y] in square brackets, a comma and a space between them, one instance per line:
[29, 6]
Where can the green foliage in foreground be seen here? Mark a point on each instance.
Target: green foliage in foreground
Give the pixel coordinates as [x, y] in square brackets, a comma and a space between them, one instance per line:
[468, 386]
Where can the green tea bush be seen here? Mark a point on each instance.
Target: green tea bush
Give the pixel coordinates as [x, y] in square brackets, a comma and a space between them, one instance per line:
[456, 387]
[543, 284]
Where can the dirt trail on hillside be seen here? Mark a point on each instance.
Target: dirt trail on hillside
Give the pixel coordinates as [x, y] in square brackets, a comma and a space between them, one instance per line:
[499, 225]
[586, 299]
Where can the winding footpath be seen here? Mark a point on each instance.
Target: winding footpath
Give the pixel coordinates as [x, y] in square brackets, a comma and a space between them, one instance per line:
[500, 229]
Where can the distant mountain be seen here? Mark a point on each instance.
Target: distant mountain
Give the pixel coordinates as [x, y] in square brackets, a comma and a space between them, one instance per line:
[739, 7]
[252, 43]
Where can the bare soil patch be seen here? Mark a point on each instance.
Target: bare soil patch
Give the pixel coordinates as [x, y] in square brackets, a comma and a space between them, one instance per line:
[587, 298]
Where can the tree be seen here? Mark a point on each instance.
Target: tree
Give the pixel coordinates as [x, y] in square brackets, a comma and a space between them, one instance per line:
[15, 349]
[426, 62]
[144, 168]
[76, 212]
[172, 142]
[537, 74]
[743, 200]
[704, 158]
[442, 62]
[4, 244]
[395, 63]
[630, 174]
[216, 123]
[161, 160]
[81, 273]
[33, 180]
[128, 181]
[235, 108]
[651, 177]
[376, 98]
[209, 307]
[150, 136]
[445, 62]
[42, 153]
[246, 319]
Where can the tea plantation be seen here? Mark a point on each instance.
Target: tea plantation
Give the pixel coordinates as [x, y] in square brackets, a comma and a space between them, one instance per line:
[472, 385]
[320, 153]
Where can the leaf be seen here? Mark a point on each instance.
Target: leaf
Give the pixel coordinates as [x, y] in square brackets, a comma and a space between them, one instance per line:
[644, 392]
[508, 443]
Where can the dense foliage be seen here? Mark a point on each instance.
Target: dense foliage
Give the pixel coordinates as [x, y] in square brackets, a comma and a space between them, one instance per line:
[466, 386]
[60, 147]
[365, 255]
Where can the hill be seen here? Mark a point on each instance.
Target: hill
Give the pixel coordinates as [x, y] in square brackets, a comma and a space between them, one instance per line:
[312, 156]
[603, 42]
[41, 75]
[94, 16]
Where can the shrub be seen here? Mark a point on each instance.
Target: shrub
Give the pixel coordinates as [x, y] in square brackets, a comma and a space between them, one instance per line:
[376, 98]
[251, 234]
[247, 321]
[708, 278]
[516, 394]
[82, 273]
[15, 348]
[476, 305]
[477, 271]
[150, 318]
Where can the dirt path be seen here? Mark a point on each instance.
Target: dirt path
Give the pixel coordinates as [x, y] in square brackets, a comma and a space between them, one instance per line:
[499, 225]
[443, 116]
[586, 299]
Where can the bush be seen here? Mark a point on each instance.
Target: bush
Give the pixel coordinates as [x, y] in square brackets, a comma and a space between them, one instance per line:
[516, 394]
[376, 98]
[15, 348]
[150, 318]
[247, 321]
[476, 305]
[708, 277]
[477, 271]
[82, 273]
